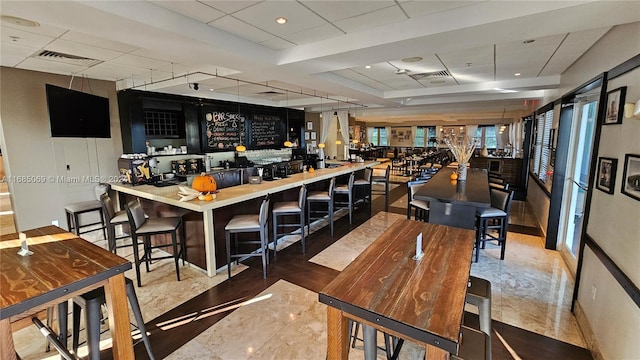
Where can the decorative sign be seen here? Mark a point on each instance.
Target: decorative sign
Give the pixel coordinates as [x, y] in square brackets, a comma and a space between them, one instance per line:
[266, 131]
[225, 130]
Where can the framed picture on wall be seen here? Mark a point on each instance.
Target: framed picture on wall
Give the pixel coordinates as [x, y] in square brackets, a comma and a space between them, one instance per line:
[309, 125]
[606, 180]
[313, 135]
[307, 135]
[615, 106]
[631, 176]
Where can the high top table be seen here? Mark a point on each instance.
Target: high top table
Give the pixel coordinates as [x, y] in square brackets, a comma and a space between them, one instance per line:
[386, 289]
[452, 202]
[62, 266]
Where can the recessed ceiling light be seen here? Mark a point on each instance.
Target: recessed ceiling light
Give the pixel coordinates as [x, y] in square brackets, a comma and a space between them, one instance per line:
[281, 20]
[517, 74]
[367, 66]
[412, 59]
[211, 90]
[528, 41]
[19, 21]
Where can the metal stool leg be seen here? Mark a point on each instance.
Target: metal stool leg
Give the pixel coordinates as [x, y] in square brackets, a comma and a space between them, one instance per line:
[135, 306]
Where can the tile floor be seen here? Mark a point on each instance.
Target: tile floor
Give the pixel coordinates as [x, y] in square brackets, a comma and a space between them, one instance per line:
[531, 290]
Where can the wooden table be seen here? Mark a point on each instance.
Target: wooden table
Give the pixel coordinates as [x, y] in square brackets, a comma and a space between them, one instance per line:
[454, 203]
[61, 267]
[387, 289]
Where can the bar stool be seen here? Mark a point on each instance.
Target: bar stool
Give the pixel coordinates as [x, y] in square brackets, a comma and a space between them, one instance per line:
[382, 180]
[141, 226]
[113, 218]
[494, 217]
[347, 190]
[479, 295]
[365, 185]
[421, 207]
[289, 208]
[74, 210]
[392, 344]
[472, 345]
[250, 223]
[92, 302]
[322, 197]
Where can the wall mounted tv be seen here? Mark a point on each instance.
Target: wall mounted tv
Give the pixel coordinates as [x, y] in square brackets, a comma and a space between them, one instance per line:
[77, 114]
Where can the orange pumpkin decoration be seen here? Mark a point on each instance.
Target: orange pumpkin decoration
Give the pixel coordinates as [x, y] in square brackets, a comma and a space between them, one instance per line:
[204, 183]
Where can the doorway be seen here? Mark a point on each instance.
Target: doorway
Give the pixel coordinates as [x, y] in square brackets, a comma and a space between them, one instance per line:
[576, 183]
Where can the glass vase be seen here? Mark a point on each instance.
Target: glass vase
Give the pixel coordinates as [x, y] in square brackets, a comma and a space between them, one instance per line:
[462, 171]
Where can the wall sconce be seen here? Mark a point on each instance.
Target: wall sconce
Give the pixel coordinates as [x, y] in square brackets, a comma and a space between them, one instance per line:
[338, 142]
[631, 110]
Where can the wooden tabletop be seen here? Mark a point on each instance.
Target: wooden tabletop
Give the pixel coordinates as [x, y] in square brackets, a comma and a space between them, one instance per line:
[61, 263]
[422, 300]
[472, 192]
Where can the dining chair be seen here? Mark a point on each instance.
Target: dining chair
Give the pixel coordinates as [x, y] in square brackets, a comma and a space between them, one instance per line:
[421, 207]
[247, 223]
[495, 217]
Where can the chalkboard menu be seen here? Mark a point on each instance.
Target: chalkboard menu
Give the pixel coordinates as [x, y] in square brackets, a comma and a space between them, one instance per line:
[266, 131]
[224, 130]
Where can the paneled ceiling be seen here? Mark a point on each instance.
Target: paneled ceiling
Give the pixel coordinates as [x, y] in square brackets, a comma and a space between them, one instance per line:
[386, 61]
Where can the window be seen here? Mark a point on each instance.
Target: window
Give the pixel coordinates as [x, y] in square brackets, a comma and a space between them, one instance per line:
[425, 136]
[486, 136]
[379, 136]
[542, 145]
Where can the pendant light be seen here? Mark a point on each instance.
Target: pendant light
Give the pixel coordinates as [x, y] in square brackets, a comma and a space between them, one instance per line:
[288, 143]
[240, 147]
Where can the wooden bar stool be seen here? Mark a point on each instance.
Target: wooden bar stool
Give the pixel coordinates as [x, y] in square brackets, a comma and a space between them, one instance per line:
[246, 224]
[141, 226]
[322, 197]
[290, 208]
[92, 302]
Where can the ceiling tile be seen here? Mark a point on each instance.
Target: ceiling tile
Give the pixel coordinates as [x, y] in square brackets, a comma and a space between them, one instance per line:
[11, 48]
[43, 29]
[119, 71]
[322, 32]
[338, 10]
[473, 74]
[277, 44]
[232, 25]
[571, 49]
[480, 56]
[230, 7]
[193, 9]
[371, 20]
[24, 38]
[84, 50]
[141, 62]
[363, 79]
[264, 16]
[97, 41]
[10, 60]
[418, 8]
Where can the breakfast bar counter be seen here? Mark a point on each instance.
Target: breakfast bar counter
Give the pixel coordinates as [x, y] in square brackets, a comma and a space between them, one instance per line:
[213, 212]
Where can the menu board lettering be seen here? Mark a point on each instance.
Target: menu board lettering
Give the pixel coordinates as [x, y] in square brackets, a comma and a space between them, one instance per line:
[266, 131]
[224, 129]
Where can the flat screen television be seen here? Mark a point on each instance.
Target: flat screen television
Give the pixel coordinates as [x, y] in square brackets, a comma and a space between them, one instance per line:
[77, 114]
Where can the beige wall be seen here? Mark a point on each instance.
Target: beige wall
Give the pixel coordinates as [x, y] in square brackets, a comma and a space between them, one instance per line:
[611, 316]
[28, 148]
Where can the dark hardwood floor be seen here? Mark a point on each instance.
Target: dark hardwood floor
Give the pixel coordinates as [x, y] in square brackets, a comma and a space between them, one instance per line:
[291, 265]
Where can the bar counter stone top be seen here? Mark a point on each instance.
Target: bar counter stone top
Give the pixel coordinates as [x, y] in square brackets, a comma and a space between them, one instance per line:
[231, 196]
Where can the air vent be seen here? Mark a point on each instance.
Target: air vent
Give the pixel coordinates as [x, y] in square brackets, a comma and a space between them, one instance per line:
[66, 58]
[431, 75]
